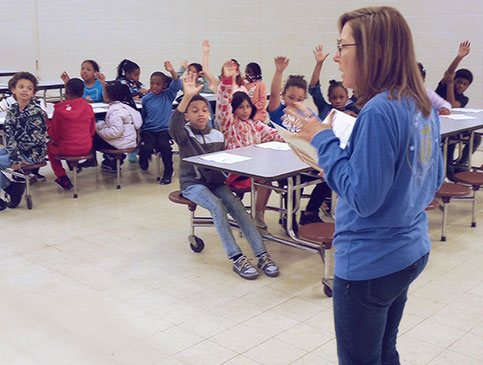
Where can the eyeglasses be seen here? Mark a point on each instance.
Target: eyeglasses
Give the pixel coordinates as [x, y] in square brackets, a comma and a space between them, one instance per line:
[340, 47]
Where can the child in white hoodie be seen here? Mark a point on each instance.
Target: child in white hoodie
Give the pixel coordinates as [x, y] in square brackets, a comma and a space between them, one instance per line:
[119, 129]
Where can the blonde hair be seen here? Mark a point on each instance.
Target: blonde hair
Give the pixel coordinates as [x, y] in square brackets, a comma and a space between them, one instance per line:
[385, 57]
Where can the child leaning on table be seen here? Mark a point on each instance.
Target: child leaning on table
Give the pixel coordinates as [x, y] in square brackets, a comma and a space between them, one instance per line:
[25, 135]
[94, 81]
[71, 129]
[206, 187]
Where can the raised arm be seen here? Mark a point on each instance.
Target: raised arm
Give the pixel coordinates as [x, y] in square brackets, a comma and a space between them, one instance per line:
[319, 60]
[281, 64]
[214, 82]
[224, 110]
[463, 50]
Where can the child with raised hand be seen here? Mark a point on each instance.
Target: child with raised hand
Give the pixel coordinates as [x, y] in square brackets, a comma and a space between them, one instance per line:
[337, 93]
[25, 135]
[295, 90]
[197, 71]
[453, 85]
[119, 129]
[234, 114]
[214, 82]
[71, 129]
[257, 90]
[128, 73]
[94, 81]
[207, 187]
[156, 112]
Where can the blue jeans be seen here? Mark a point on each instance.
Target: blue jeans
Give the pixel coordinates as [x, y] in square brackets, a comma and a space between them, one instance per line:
[219, 202]
[367, 315]
[4, 163]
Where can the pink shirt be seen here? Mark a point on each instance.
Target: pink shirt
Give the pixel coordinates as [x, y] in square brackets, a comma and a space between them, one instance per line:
[257, 91]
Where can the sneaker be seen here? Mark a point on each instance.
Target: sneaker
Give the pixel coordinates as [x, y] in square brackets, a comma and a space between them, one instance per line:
[39, 176]
[266, 264]
[88, 163]
[3, 204]
[15, 192]
[245, 269]
[108, 168]
[309, 217]
[260, 221]
[133, 158]
[166, 180]
[143, 163]
[64, 182]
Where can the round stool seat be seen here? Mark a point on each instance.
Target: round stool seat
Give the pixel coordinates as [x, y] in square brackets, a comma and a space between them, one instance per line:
[118, 153]
[474, 178]
[452, 190]
[318, 232]
[433, 205]
[73, 158]
[176, 197]
[28, 168]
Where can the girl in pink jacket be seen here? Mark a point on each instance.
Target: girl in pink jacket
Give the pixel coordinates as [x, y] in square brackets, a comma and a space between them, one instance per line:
[234, 114]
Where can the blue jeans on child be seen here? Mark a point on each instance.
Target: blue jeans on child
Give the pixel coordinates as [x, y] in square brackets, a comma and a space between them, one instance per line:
[367, 315]
[4, 163]
[219, 202]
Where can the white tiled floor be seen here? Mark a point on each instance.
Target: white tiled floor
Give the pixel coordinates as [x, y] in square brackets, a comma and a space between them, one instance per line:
[109, 278]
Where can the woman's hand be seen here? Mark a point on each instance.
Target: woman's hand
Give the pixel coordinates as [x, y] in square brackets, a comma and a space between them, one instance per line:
[306, 122]
[190, 87]
[281, 63]
[319, 54]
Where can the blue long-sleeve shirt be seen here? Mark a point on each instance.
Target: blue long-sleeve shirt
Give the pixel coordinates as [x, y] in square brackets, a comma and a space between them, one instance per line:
[385, 177]
[157, 109]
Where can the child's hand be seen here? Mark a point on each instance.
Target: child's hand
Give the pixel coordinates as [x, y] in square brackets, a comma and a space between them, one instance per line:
[444, 111]
[168, 66]
[319, 54]
[190, 87]
[64, 77]
[281, 63]
[185, 64]
[206, 46]
[16, 166]
[143, 90]
[229, 70]
[100, 77]
[464, 49]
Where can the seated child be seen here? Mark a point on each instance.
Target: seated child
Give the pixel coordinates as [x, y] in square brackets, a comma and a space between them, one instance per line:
[157, 109]
[119, 129]
[234, 114]
[71, 129]
[337, 93]
[128, 73]
[207, 187]
[197, 70]
[257, 90]
[94, 81]
[442, 106]
[25, 135]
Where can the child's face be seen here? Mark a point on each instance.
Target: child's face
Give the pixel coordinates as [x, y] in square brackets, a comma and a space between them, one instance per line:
[460, 85]
[134, 75]
[249, 72]
[197, 114]
[243, 111]
[87, 72]
[157, 84]
[194, 71]
[23, 91]
[292, 95]
[338, 98]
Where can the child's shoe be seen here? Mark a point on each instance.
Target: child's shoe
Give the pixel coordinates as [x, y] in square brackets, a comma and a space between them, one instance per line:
[15, 192]
[244, 268]
[133, 158]
[88, 163]
[166, 180]
[143, 163]
[108, 166]
[64, 182]
[309, 217]
[266, 264]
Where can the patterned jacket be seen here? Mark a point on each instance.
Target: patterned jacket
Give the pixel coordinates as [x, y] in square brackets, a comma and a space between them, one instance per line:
[26, 133]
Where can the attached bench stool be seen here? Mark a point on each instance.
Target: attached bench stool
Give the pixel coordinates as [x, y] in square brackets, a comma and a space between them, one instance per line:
[447, 192]
[117, 154]
[73, 161]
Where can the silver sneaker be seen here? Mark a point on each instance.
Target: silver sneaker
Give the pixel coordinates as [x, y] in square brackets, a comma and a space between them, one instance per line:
[245, 269]
[267, 265]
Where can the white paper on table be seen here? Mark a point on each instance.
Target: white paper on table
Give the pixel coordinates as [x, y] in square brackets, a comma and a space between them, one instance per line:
[224, 157]
[342, 126]
[99, 105]
[274, 145]
[99, 110]
[467, 110]
[457, 116]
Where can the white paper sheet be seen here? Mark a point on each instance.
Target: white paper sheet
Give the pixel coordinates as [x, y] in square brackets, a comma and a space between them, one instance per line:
[274, 145]
[100, 110]
[467, 110]
[342, 125]
[99, 105]
[457, 116]
[224, 157]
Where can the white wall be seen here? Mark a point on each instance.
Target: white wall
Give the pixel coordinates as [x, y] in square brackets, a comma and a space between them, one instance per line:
[151, 31]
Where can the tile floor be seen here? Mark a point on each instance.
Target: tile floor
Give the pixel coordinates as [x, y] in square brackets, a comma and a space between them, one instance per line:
[109, 278]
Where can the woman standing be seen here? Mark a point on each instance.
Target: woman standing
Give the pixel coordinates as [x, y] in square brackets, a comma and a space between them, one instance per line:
[385, 177]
